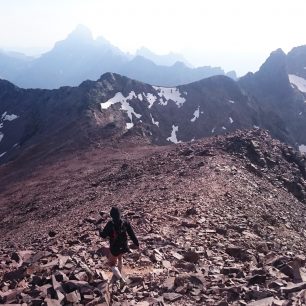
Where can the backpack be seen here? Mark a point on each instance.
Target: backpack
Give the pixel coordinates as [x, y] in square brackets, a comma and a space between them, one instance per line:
[119, 237]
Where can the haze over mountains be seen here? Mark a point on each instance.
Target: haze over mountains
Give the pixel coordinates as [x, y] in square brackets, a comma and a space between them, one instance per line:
[80, 57]
[164, 60]
[115, 107]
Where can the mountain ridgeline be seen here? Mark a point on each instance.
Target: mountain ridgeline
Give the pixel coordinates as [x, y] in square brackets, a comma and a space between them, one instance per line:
[279, 89]
[116, 108]
[80, 57]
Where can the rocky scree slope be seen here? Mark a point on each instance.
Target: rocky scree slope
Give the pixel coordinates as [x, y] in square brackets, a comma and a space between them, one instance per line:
[221, 221]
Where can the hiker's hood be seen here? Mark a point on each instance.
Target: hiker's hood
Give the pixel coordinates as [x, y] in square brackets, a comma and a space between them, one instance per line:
[115, 213]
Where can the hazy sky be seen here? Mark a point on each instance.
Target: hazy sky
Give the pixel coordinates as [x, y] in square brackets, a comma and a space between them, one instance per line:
[233, 34]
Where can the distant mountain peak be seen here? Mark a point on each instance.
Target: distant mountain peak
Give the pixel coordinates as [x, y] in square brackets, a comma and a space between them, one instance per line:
[179, 64]
[276, 58]
[80, 57]
[82, 33]
[168, 59]
[4, 84]
[299, 53]
[101, 40]
[142, 60]
[110, 76]
[278, 52]
[144, 50]
[272, 76]
[296, 61]
[275, 65]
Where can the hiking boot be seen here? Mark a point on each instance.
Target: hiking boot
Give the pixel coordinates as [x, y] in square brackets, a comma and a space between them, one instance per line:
[122, 283]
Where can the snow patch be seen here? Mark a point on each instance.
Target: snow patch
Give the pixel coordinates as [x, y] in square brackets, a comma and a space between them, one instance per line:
[255, 126]
[299, 82]
[302, 148]
[6, 117]
[140, 97]
[129, 125]
[231, 101]
[10, 117]
[196, 115]
[231, 120]
[300, 113]
[113, 77]
[170, 93]
[162, 102]
[119, 98]
[213, 130]
[1, 136]
[2, 154]
[108, 85]
[151, 99]
[153, 121]
[223, 128]
[173, 137]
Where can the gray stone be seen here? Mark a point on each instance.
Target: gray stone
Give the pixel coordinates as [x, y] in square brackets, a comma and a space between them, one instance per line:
[171, 296]
[263, 302]
[73, 297]
[52, 302]
[294, 288]
[169, 283]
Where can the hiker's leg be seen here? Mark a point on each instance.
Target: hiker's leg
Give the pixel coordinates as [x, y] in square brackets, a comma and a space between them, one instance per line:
[113, 262]
[116, 272]
[120, 263]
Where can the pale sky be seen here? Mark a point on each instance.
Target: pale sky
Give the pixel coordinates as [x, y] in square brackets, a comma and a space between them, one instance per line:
[234, 34]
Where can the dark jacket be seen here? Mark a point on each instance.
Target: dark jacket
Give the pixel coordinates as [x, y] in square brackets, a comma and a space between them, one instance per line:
[117, 233]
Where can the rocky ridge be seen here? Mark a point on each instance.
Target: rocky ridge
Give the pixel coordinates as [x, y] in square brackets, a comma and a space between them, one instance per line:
[41, 122]
[113, 107]
[280, 95]
[220, 221]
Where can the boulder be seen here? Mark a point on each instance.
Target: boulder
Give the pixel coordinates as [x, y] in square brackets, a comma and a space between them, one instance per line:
[191, 256]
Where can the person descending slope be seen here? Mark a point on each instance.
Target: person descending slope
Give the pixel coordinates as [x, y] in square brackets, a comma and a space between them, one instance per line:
[117, 230]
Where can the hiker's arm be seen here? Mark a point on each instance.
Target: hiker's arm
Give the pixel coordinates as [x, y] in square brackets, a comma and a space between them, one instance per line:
[106, 231]
[131, 233]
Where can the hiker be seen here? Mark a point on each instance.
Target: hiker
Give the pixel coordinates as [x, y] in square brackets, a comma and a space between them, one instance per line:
[116, 230]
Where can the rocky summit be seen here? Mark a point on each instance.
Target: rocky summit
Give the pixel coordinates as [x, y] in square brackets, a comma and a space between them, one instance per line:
[221, 221]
